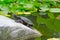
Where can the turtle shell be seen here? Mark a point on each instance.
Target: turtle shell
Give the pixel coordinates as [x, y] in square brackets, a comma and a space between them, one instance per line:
[26, 20]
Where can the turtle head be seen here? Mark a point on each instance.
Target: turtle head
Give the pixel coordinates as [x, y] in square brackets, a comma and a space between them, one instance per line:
[15, 17]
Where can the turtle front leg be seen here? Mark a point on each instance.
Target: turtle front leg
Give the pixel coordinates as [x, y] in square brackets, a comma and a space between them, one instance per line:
[19, 21]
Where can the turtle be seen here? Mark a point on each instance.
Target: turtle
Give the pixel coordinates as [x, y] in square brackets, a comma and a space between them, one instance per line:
[23, 20]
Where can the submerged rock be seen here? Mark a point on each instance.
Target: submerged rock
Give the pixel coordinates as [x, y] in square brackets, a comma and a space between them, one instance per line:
[10, 30]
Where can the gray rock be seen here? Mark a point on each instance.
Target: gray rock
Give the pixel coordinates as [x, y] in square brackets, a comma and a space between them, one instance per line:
[10, 30]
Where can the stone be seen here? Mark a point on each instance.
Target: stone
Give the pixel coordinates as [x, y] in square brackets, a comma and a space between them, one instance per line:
[10, 30]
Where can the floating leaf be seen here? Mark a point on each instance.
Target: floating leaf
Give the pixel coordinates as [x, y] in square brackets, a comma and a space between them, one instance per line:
[55, 10]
